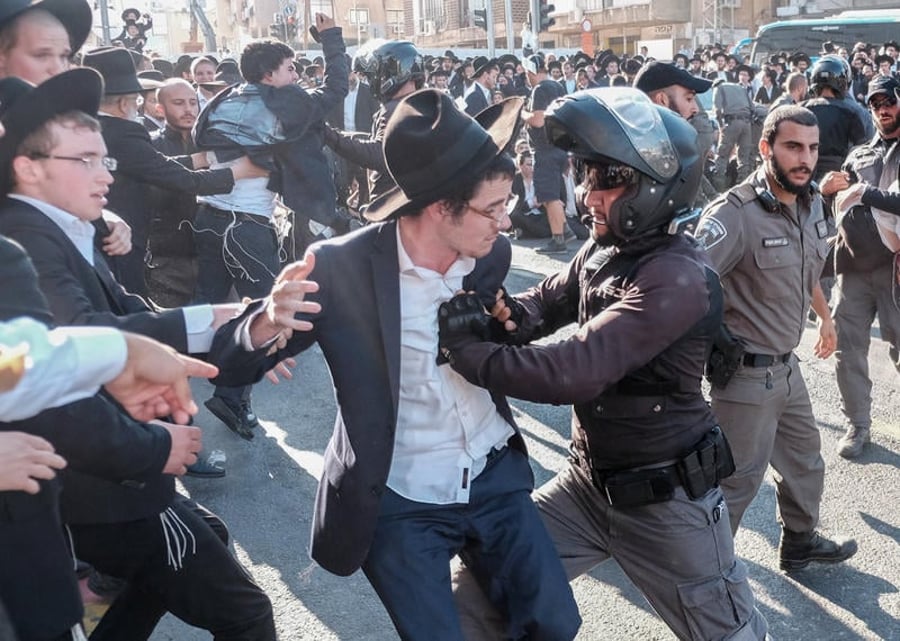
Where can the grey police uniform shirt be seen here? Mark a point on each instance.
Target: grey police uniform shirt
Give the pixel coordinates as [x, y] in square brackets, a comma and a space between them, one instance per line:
[768, 262]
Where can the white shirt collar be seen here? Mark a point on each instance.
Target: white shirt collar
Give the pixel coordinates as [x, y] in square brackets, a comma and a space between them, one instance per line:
[80, 232]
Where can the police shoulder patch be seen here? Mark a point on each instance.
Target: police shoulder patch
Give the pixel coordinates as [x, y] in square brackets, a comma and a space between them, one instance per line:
[710, 233]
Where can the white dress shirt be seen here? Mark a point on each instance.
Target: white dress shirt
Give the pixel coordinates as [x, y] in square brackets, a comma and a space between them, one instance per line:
[198, 319]
[350, 109]
[445, 425]
[62, 366]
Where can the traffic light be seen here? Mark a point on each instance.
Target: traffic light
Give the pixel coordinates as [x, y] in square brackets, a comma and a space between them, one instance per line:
[545, 10]
[481, 18]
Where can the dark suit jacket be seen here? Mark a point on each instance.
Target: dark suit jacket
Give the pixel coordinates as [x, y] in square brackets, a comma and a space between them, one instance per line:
[358, 331]
[80, 295]
[140, 167]
[93, 435]
[363, 115]
[476, 101]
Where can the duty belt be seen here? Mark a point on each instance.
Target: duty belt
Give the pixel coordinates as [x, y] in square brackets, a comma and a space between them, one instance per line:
[735, 117]
[765, 360]
[698, 472]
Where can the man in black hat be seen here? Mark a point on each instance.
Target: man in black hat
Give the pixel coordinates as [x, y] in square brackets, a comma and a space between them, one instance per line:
[120, 506]
[884, 65]
[478, 96]
[550, 163]
[149, 114]
[422, 466]
[866, 270]
[58, 28]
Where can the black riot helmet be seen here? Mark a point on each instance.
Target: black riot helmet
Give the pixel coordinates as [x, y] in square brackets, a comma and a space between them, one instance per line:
[830, 71]
[633, 142]
[388, 65]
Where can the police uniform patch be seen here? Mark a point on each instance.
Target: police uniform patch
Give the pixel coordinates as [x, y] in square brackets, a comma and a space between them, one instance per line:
[776, 242]
[710, 233]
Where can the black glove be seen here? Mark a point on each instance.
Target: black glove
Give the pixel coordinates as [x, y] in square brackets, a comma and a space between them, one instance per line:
[517, 314]
[461, 320]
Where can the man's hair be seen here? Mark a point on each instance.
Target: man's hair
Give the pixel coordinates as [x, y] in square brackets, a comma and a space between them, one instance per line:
[501, 167]
[43, 140]
[795, 80]
[109, 102]
[10, 31]
[262, 57]
[200, 61]
[787, 113]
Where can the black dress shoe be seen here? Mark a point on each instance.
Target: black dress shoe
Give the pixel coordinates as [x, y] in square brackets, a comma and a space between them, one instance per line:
[239, 419]
[799, 549]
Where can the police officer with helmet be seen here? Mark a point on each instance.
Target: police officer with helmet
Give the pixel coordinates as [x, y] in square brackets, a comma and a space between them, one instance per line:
[842, 124]
[646, 449]
[394, 69]
[767, 238]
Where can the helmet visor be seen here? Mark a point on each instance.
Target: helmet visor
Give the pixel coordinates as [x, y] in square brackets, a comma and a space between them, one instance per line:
[601, 176]
[644, 129]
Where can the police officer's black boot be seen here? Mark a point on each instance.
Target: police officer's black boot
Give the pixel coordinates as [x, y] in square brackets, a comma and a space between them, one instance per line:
[799, 549]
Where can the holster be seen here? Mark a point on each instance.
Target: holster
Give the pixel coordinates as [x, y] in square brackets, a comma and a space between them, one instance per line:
[698, 472]
[724, 359]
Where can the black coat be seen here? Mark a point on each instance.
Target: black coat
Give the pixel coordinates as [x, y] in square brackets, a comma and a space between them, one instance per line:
[140, 168]
[475, 101]
[93, 435]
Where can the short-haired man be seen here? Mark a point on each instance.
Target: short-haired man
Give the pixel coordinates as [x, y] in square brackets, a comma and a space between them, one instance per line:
[422, 465]
[550, 162]
[281, 126]
[171, 273]
[767, 238]
[796, 89]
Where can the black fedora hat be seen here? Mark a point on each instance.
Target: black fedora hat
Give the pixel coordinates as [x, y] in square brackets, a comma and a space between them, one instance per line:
[75, 15]
[165, 67]
[117, 68]
[482, 64]
[450, 146]
[24, 107]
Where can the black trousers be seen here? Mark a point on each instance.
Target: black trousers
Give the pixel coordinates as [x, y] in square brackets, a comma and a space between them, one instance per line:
[185, 568]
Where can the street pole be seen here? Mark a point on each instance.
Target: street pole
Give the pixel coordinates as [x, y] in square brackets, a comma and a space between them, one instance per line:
[489, 18]
[536, 23]
[104, 22]
[510, 34]
[307, 23]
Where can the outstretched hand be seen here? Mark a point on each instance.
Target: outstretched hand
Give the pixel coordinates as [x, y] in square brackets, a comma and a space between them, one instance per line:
[288, 298]
[155, 380]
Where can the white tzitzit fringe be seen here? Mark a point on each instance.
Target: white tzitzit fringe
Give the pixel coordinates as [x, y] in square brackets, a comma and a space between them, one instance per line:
[176, 534]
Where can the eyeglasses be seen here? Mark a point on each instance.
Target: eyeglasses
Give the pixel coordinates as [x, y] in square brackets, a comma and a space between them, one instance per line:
[888, 101]
[498, 212]
[90, 162]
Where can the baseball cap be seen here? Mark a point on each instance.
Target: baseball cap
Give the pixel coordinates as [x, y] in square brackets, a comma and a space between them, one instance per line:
[658, 75]
[881, 84]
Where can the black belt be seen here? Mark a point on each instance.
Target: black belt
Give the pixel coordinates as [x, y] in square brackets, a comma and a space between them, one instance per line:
[730, 118]
[698, 472]
[765, 360]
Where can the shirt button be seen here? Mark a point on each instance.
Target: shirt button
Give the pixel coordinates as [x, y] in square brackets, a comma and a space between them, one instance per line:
[657, 408]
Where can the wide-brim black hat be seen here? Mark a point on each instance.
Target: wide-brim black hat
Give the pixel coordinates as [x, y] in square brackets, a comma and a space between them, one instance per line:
[430, 146]
[883, 58]
[482, 64]
[116, 66]
[75, 15]
[164, 66]
[24, 107]
[798, 56]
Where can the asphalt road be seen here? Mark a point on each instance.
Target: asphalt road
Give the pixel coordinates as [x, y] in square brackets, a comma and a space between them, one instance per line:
[266, 500]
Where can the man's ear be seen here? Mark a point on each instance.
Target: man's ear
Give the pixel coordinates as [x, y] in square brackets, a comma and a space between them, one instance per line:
[764, 149]
[24, 170]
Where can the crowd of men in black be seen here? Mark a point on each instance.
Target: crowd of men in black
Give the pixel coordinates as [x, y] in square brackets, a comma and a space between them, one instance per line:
[218, 172]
